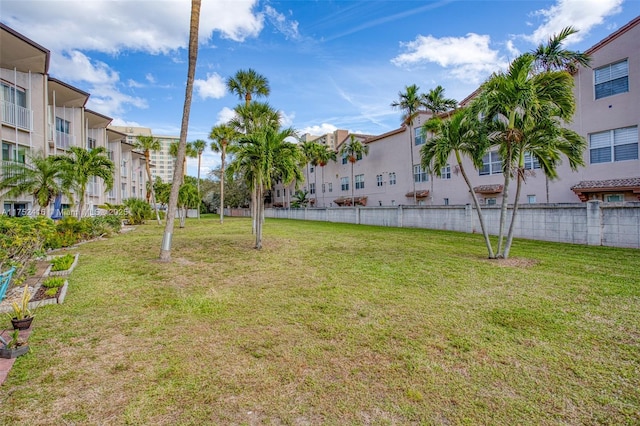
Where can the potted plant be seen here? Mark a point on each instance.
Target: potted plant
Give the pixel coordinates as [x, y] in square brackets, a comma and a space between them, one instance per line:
[15, 347]
[22, 316]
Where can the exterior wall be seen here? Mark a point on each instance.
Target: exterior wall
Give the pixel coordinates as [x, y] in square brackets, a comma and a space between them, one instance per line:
[592, 223]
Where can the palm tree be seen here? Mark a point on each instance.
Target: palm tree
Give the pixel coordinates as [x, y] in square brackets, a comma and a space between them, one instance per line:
[435, 101]
[165, 250]
[410, 103]
[310, 151]
[461, 135]
[222, 138]
[148, 144]
[325, 154]
[254, 116]
[199, 146]
[554, 57]
[526, 113]
[190, 152]
[81, 165]
[247, 83]
[188, 197]
[265, 155]
[40, 177]
[354, 150]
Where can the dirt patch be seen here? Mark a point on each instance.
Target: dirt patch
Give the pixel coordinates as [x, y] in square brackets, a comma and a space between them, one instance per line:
[514, 262]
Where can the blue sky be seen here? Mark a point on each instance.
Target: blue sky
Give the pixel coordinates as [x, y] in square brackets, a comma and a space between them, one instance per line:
[330, 63]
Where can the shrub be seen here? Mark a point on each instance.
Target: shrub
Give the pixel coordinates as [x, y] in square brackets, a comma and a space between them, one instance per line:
[21, 238]
[62, 263]
[51, 292]
[137, 211]
[53, 282]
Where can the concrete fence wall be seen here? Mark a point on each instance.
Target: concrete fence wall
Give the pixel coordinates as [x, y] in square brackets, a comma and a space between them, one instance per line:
[592, 223]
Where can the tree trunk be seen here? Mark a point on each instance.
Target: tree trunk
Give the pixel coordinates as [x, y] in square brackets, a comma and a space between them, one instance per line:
[165, 250]
[81, 203]
[353, 184]
[151, 191]
[223, 155]
[258, 221]
[503, 210]
[254, 198]
[199, 199]
[476, 203]
[413, 179]
[322, 184]
[514, 212]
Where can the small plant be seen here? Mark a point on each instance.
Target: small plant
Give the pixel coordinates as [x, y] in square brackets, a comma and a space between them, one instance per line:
[53, 282]
[15, 341]
[21, 310]
[62, 263]
[51, 292]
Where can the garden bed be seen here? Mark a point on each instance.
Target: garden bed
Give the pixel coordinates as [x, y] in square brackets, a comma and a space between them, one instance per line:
[64, 272]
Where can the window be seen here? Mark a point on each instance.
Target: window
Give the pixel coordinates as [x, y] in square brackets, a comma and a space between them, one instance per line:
[63, 139]
[311, 168]
[91, 143]
[491, 201]
[378, 180]
[530, 162]
[330, 187]
[419, 140]
[277, 193]
[14, 106]
[611, 79]
[344, 183]
[393, 202]
[613, 198]
[12, 153]
[446, 201]
[419, 174]
[312, 188]
[358, 156]
[359, 181]
[491, 164]
[344, 158]
[445, 172]
[284, 192]
[531, 199]
[392, 178]
[614, 145]
[14, 95]
[324, 188]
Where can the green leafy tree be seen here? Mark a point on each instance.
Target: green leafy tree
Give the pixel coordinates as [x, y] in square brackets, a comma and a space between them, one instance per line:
[527, 113]
[325, 154]
[165, 250]
[256, 115]
[248, 83]
[148, 144]
[223, 137]
[263, 155]
[187, 198]
[40, 177]
[310, 152]
[300, 199]
[435, 102]
[354, 149]
[461, 135]
[80, 165]
[410, 101]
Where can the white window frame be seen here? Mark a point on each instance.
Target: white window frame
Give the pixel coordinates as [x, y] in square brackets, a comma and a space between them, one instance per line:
[607, 76]
[445, 172]
[419, 174]
[344, 183]
[359, 181]
[378, 180]
[606, 143]
[418, 138]
[392, 178]
[491, 164]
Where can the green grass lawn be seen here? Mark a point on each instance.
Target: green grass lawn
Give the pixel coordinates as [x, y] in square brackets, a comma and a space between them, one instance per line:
[333, 324]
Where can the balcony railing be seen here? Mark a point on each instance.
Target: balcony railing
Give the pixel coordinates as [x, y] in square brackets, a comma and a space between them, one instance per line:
[6, 171]
[15, 115]
[64, 140]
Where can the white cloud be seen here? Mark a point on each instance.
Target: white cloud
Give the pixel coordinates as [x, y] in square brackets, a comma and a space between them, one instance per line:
[288, 28]
[581, 14]
[123, 123]
[150, 78]
[110, 26]
[513, 51]
[225, 115]
[319, 130]
[213, 87]
[469, 58]
[286, 120]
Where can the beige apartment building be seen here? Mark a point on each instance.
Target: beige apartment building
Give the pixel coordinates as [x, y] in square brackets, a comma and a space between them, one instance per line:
[42, 114]
[607, 116]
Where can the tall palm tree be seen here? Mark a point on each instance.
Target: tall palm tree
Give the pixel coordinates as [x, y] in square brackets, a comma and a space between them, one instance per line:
[188, 197]
[222, 138]
[353, 149]
[190, 152]
[526, 112]
[554, 57]
[410, 101]
[80, 165]
[165, 250]
[254, 116]
[463, 136]
[247, 83]
[325, 154]
[266, 155]
[435, 101]
[199, 146]
[39, 177]
[310, 151]
[147, 144]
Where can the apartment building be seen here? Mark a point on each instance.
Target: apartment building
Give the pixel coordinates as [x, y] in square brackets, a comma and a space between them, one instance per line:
[162, 162]
[607, 116]
[41, 114]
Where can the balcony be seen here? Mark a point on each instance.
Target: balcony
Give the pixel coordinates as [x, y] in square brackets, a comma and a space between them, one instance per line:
[64, 140]
[6, 171]
[16, 116]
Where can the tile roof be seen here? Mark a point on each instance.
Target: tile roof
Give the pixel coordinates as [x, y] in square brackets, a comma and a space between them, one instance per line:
[419, 194]
[629, 183]
[488, 189]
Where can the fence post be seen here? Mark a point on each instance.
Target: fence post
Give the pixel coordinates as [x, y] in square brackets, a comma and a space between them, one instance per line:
[357, 215]
[400, 216]
[468, 215]
[594, 223]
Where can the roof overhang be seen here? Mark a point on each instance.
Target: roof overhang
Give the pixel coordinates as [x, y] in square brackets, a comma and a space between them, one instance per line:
[66, 95]
[488, 189]
[418, 194]
[97, 120]
[586, 187]
[20, 53]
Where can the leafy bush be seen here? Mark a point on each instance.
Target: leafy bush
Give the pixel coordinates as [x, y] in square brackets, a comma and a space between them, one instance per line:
[137, 211]
[62, 263]
[21, 238]
[53, 282]
[51, 292]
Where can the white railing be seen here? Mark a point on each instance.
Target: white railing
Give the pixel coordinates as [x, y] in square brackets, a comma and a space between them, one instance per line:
[15, 115]
[64, 140]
